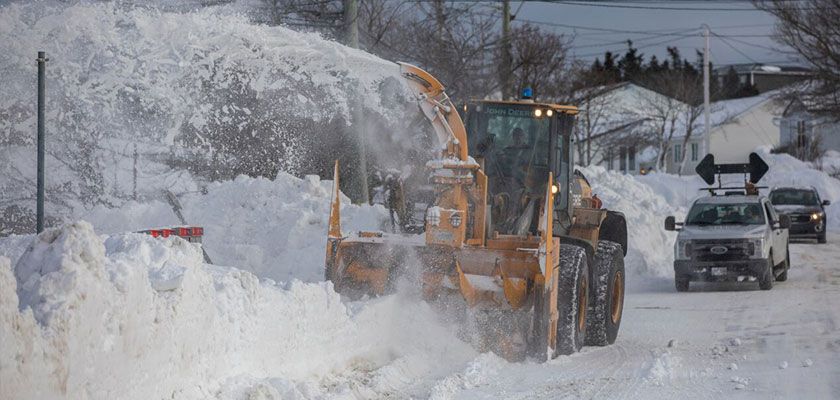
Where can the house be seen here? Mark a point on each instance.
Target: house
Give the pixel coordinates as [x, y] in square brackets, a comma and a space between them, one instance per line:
[765, 77]
[806, 133]
[738, 127]
[614, 127]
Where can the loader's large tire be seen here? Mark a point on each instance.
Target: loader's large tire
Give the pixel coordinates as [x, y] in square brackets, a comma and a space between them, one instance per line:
[614, 229]
[607, 301]
[572, 299]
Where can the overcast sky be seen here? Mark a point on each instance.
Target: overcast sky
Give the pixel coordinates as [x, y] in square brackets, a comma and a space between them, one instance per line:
[746, 34]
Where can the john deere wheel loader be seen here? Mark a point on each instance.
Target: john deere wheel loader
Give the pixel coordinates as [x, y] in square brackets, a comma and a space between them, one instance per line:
[513, 230]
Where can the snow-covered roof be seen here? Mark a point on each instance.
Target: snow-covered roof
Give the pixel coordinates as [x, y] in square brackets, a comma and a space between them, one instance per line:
[725, 111]
[619, 110]
[764, 68]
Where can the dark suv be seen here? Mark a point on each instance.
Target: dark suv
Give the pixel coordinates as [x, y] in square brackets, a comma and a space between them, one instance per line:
[806, 211]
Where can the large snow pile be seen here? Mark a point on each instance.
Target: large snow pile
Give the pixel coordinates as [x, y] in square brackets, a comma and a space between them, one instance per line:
[132, 317]
[647, 200]
[273, 228]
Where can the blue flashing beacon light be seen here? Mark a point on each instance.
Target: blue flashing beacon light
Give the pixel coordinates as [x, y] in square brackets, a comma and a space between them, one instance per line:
[527, 93]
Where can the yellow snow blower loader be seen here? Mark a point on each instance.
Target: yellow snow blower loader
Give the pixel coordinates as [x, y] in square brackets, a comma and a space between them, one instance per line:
[513, 230]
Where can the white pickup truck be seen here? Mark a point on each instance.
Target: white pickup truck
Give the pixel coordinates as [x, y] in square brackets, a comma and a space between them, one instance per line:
[731, 238]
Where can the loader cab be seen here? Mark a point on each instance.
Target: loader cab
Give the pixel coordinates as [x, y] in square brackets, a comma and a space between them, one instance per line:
[518, 143]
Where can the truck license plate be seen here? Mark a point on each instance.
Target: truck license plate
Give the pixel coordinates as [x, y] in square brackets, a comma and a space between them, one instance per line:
[718, 271]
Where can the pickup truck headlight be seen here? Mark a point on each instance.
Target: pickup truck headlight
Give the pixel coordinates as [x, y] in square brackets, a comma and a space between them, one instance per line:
[816, 216]
[758, 247]
[682, 250]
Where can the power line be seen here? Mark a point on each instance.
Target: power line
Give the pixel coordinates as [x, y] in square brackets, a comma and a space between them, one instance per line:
[592, 28]
[635, 40]
[775, 50]
[637, 48]
[726, 42]
[669, 8]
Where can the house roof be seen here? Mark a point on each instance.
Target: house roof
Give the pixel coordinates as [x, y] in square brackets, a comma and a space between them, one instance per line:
[618, 111]
[725, 111]
[765, 69]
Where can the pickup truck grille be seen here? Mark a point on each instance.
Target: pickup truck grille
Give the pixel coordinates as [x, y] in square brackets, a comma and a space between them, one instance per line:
[800, 218]
[712, 250]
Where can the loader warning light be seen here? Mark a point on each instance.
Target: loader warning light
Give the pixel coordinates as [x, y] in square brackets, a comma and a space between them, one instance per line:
[527, 93]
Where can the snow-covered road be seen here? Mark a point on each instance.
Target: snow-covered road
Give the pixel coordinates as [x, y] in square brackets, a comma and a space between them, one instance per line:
[719, 340]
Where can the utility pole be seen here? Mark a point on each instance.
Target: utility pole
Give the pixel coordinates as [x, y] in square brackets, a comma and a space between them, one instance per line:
[706, 77]
[351, 23]
[39, 207]
[507, 59]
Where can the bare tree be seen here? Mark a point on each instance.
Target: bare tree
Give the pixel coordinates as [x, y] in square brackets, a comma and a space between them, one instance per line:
[663, 110]
[540, 60]
[811, 28]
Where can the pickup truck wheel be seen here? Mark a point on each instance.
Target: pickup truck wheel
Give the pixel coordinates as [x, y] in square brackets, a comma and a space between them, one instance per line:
[681, 284]
[822, 238]
[765, 281]
[606, 304]
[785, 267]
[572, 299]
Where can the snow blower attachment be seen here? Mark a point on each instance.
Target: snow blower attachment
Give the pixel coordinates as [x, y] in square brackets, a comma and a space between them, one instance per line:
[512, 231]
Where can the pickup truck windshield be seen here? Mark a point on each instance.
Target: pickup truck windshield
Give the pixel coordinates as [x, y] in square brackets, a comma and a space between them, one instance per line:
[793, 197]
[726, 214]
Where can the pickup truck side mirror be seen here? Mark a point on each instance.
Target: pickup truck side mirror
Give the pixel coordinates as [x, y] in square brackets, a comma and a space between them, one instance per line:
[670, 223]
[826, 203]
[784, 221]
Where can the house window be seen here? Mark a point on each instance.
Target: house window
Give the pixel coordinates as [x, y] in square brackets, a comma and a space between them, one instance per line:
[677, 153]
[695, 149]
[622, 158]
[632, 158]
[609, 159]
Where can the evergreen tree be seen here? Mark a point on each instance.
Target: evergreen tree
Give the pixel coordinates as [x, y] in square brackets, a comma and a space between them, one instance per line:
[631, 64]
[674, 55]
[612, 73]
[653, 65]
[731, 83]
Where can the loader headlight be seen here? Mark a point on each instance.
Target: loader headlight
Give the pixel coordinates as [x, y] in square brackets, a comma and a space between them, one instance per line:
[549, 113]
[455, 220]
[538, 113]
[555, 189]
[758, 247]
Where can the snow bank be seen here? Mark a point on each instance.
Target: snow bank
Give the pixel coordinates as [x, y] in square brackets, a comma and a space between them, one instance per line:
[132, 317]
[275, 229]
[649, 245]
